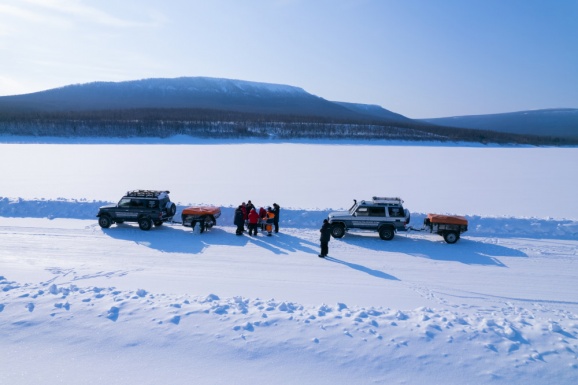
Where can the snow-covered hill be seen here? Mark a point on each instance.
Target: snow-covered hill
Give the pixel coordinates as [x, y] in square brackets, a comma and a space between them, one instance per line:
[561, 122]
[185, 92]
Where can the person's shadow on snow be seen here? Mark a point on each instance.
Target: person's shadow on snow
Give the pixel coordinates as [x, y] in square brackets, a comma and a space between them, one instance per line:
[363, 269]
[283, 244]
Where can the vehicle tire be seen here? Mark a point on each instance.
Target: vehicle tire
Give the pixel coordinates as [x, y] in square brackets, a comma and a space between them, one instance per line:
[338, 230]
[158, 223]
[451, 237]
[145, 223]
[386, 233]
[171, 208]
[209, 221]
[104, 221]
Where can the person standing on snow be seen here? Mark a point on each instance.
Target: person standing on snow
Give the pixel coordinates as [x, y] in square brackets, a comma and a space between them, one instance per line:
[239, 220]
[253, 222]
[325, 237]
[263, 216]
[270, 221]
[276, 209]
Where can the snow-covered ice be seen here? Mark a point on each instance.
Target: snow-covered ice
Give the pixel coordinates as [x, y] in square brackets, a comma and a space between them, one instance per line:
[79, 304]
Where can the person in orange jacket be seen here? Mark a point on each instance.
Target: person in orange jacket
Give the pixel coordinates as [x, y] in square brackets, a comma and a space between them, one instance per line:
[270, 221]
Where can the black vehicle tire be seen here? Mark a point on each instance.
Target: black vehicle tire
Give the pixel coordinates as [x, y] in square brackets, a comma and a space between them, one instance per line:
[337, 230]
[172, 209]
[209, 221]
[158, 223]
[104, 221]
[451, 237]
[145, 223]
[386, 233]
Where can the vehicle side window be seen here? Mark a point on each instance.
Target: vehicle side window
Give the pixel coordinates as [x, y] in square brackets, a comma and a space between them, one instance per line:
[136, 203]
[124, 202]
[362, 212]
[377, 211]
[395, 212]
[152, 204]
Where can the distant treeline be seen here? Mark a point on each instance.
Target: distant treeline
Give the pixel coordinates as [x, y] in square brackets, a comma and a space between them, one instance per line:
[163, 123]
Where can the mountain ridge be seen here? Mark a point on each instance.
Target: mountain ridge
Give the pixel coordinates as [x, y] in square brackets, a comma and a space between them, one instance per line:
[182, 92]
[540, 122]
[201, 99]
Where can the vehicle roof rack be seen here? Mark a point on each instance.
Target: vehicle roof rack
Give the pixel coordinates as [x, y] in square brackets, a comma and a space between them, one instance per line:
[388, 200]
[148, 193]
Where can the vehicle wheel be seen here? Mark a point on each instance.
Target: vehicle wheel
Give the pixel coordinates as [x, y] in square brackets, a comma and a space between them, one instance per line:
[171, 209]
[209, 222]
[338, 230]
[386, 233]
[158, 223]
[145, 223]
[104, 221]
[451, 236]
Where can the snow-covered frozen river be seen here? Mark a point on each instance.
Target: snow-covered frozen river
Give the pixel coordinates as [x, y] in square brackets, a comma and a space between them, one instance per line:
[487, 181]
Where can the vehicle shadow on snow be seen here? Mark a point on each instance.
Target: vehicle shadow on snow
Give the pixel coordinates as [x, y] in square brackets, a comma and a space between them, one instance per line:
[176, 239]
[465, 251]
[172, 238]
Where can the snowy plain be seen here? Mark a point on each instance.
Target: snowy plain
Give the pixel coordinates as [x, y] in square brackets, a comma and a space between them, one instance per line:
[85, 305]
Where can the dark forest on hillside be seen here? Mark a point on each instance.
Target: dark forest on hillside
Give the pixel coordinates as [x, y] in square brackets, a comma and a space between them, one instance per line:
[206, 123]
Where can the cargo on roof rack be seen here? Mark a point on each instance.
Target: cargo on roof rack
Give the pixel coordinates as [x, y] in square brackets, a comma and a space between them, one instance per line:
[148, 193]
[388, 200]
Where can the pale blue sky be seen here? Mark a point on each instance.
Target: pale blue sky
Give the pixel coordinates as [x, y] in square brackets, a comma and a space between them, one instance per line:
[419, 58]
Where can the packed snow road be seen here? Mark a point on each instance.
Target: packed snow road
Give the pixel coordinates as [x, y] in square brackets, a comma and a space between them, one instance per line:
[413, 270]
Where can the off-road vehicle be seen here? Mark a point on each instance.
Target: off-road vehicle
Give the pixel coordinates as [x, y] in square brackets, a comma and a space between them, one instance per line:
[146, 207]
[382, 214]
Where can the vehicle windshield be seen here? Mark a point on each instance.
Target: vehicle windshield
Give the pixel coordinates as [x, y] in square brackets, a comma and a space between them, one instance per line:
[124, 202]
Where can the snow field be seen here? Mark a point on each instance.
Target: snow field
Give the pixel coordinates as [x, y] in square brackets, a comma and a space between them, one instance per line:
[81, 304]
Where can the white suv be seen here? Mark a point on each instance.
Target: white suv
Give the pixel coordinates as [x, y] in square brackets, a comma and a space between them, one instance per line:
[382, 214]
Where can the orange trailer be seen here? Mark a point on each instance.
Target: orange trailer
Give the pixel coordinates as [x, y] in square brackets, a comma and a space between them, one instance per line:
[206, 216]
[448, 226]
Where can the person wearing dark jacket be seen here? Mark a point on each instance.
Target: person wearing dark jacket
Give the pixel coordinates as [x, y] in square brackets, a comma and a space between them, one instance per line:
[276, 209]
[239, 220]
[325, 237]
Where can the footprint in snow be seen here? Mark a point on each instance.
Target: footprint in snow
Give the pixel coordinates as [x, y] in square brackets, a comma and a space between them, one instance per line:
[30, 307]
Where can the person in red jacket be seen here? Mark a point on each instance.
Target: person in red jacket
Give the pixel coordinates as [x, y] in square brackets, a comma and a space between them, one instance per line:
[263, 216]
[253, 222]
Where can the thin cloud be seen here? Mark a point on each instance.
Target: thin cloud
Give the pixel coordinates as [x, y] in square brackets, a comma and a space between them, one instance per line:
[86, 13]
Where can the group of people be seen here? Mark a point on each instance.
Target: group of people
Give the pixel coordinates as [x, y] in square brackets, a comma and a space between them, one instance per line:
[248, 218]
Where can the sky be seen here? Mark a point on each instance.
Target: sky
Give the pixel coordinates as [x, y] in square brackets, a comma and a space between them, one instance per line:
[419, 58]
